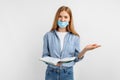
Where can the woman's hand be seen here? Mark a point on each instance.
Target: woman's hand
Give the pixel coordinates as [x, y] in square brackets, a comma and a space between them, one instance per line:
[87, 48]
[59, 63]
[92, 46]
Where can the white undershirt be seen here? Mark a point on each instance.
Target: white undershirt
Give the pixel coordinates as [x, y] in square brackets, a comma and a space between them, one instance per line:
[61, 36]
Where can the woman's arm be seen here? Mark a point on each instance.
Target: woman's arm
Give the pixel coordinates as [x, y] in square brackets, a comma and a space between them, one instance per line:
[87, 48]
[45, 46]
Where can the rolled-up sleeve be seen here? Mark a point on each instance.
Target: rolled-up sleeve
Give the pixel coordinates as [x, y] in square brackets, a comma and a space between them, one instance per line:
[77, 50]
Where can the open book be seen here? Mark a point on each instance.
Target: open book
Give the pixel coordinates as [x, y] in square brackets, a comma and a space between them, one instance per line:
[54, 61]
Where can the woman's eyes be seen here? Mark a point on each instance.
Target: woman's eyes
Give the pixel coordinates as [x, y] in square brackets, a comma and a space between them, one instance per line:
[63, 16]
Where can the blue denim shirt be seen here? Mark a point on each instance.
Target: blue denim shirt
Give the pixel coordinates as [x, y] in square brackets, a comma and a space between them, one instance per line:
[52, 48]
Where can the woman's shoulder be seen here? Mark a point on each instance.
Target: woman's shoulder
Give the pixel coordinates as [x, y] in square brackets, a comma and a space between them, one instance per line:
[74, 36]
[48, 33]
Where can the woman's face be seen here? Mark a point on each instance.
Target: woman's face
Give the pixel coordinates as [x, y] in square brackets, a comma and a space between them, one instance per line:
[64, 16]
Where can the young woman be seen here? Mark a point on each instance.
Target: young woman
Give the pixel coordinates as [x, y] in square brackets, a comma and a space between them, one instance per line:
[63, 41]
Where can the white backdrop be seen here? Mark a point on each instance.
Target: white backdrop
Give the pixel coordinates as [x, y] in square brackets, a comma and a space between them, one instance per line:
[24, 22]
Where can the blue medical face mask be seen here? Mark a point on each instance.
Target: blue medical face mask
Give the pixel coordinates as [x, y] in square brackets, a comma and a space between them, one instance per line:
[62, 24]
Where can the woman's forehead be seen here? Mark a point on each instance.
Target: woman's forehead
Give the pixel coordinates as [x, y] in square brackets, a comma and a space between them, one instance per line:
[64, 13]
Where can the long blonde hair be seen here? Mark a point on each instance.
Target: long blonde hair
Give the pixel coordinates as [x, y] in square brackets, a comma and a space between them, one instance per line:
[70, 27]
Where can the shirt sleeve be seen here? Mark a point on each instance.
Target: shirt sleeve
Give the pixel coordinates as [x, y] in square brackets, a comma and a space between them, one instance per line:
[77, 50]
[45, 46]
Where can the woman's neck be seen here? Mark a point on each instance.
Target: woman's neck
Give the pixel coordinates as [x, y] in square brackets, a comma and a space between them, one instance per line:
[62, 30]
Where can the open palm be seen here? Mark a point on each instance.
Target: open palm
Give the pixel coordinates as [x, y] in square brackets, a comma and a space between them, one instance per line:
[92, 46]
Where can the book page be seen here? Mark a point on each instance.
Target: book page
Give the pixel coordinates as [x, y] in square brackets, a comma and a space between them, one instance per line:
[68, 59]
[54, 61]
[50, 60]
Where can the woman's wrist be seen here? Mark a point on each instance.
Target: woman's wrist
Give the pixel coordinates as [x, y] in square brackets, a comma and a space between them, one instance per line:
[81, 54]
[85, 50]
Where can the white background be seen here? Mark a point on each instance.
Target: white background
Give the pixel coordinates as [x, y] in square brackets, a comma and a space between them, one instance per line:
[24, 22]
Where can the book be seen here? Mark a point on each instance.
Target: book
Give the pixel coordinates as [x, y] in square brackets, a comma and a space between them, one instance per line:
[55, 61]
